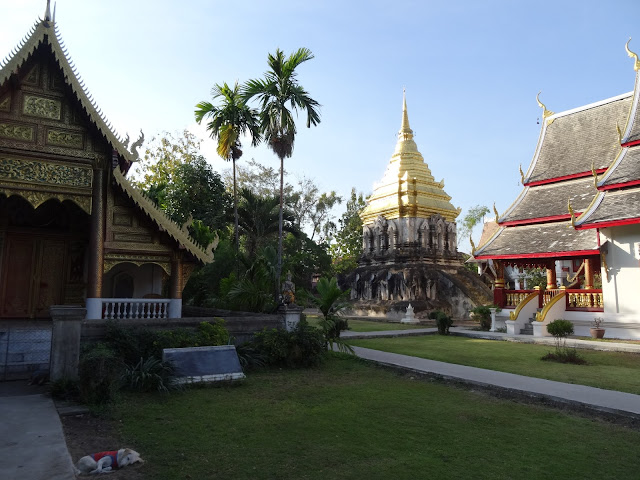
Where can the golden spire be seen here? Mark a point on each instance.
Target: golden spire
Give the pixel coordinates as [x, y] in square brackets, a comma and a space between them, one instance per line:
[545, 113]
[405, 132]
[636, 65]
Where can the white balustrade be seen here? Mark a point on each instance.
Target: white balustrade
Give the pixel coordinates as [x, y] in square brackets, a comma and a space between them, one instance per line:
[122, 308]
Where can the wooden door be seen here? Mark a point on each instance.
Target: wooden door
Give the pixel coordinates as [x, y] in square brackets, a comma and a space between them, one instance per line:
[32, 276]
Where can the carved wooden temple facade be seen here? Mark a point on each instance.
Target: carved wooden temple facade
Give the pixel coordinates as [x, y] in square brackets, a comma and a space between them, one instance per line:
[410, 244]
[579, 211]
[73, 230]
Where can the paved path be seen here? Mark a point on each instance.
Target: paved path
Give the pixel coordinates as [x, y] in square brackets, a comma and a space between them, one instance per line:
[32, 444]
[618, 403]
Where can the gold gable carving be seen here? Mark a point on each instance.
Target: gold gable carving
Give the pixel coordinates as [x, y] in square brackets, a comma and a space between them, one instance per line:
[5, 104]
[17, 132]
[65, 138]
[113, 259]
[42, 107]
[37, 198]
[18, 170]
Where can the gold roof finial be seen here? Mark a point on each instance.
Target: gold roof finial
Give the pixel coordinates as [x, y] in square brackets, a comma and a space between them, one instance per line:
[495, 210]
[473, 246]
[521, 174]
[405, 132]
[636, 65]
[573, 216]
[545, 113]
[619, 133]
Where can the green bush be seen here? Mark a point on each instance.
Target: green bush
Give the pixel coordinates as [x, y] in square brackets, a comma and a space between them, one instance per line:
[65, 389]
[561, 329]
[482, 314]
[305, 346]
[443, 321]
[99, 374]
[148, 375]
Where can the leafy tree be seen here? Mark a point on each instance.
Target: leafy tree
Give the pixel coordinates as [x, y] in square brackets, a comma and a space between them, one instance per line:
[279, 88]
[331, 301]
[229, 121]
[304, 258]
[261, 180]
[348, 239]
[258, 220]
[474, 216]
[177, 177]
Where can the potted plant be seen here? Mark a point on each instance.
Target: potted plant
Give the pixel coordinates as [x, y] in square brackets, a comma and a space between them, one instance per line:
[596, 331]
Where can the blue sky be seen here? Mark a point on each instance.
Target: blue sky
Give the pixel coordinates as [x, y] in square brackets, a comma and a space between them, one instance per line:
[471, 70]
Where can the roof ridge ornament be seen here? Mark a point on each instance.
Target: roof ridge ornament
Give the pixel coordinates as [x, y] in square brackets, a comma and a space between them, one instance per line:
[573, 216]
[495, 210]
[619, 133]
[633, 55]
[521, 174]
[595, 174]
[473, 246]
[545, 113]
[47, 12]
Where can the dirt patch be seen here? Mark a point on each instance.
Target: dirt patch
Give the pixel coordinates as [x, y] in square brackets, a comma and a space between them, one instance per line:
[86, 434]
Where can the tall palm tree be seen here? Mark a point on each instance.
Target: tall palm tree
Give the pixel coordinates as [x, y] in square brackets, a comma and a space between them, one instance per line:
[279, 93]
[229, 121]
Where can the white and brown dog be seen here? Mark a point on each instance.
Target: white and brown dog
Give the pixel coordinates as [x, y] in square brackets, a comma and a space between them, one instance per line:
[105, 462]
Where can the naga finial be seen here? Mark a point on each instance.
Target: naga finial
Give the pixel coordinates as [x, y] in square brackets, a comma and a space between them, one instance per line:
[473, 246]
[495, 210]
[573, 216]
[633, 55]
[619, 133]
[521, 174]
[136, 145]
[545, 113]
[185, 226]
[47, 12]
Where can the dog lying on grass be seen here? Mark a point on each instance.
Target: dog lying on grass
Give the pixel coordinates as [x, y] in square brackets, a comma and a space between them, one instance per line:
[105, 462]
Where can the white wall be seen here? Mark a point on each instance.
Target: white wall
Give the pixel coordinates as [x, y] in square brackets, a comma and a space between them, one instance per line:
[622, 291]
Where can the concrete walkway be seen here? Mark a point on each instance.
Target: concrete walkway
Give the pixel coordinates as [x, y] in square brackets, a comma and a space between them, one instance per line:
[590, 398]
[32, 444]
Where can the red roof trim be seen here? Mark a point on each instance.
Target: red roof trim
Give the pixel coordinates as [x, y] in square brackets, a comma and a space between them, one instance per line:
[620, 185]
[575, 253]
[612, 223]
[630, 144]
[553, 218]
[565, 177]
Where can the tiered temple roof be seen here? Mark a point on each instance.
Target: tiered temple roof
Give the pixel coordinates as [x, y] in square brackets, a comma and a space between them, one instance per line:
[573, 145]
[408, 189]
[618, 202]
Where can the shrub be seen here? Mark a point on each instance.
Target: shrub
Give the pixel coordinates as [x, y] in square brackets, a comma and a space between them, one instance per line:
[443, 321]
[99, 374]
[65, 389]
[303, 347]
[148, 375]
[561, 329]
[482, 314]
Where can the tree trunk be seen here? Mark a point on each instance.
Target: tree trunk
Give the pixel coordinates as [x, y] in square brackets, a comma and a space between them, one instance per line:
[279, 267]
[235, 209]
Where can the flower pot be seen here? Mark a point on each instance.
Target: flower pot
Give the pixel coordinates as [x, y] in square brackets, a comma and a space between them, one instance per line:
[596, 332]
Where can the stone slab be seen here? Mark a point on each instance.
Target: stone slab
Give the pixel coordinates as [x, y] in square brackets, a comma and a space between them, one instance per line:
[204, 364]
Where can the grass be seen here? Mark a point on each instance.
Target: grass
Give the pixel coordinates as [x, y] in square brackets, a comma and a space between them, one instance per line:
[358, 325]
[609, 370]
[351, 420]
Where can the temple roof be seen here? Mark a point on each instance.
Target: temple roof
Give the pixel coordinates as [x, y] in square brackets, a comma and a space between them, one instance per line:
[45, 32]
[538, 240]
[625, 169]
[408, 189]
[550, 200]
[631, 133]
[612, 207]
[572, 141]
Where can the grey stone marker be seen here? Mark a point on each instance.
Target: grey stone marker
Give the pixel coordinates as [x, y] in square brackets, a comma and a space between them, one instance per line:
[204, 364]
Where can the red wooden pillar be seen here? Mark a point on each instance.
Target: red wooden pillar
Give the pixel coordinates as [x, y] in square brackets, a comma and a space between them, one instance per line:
[588, 273]
[499, 295]
[551, 276]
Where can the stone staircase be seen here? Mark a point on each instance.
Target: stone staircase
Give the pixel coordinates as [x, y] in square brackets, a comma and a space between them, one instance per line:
[528, 327]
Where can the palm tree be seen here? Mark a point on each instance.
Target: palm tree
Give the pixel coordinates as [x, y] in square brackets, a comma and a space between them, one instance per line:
[278, 94]
[229, 121]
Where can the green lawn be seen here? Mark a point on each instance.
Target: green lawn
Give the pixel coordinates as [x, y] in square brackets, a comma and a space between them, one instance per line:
[358, 325]
[609, 370]
[351, 420]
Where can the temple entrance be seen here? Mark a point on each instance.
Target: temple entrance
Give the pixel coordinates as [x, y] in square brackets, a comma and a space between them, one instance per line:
[41, 256]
